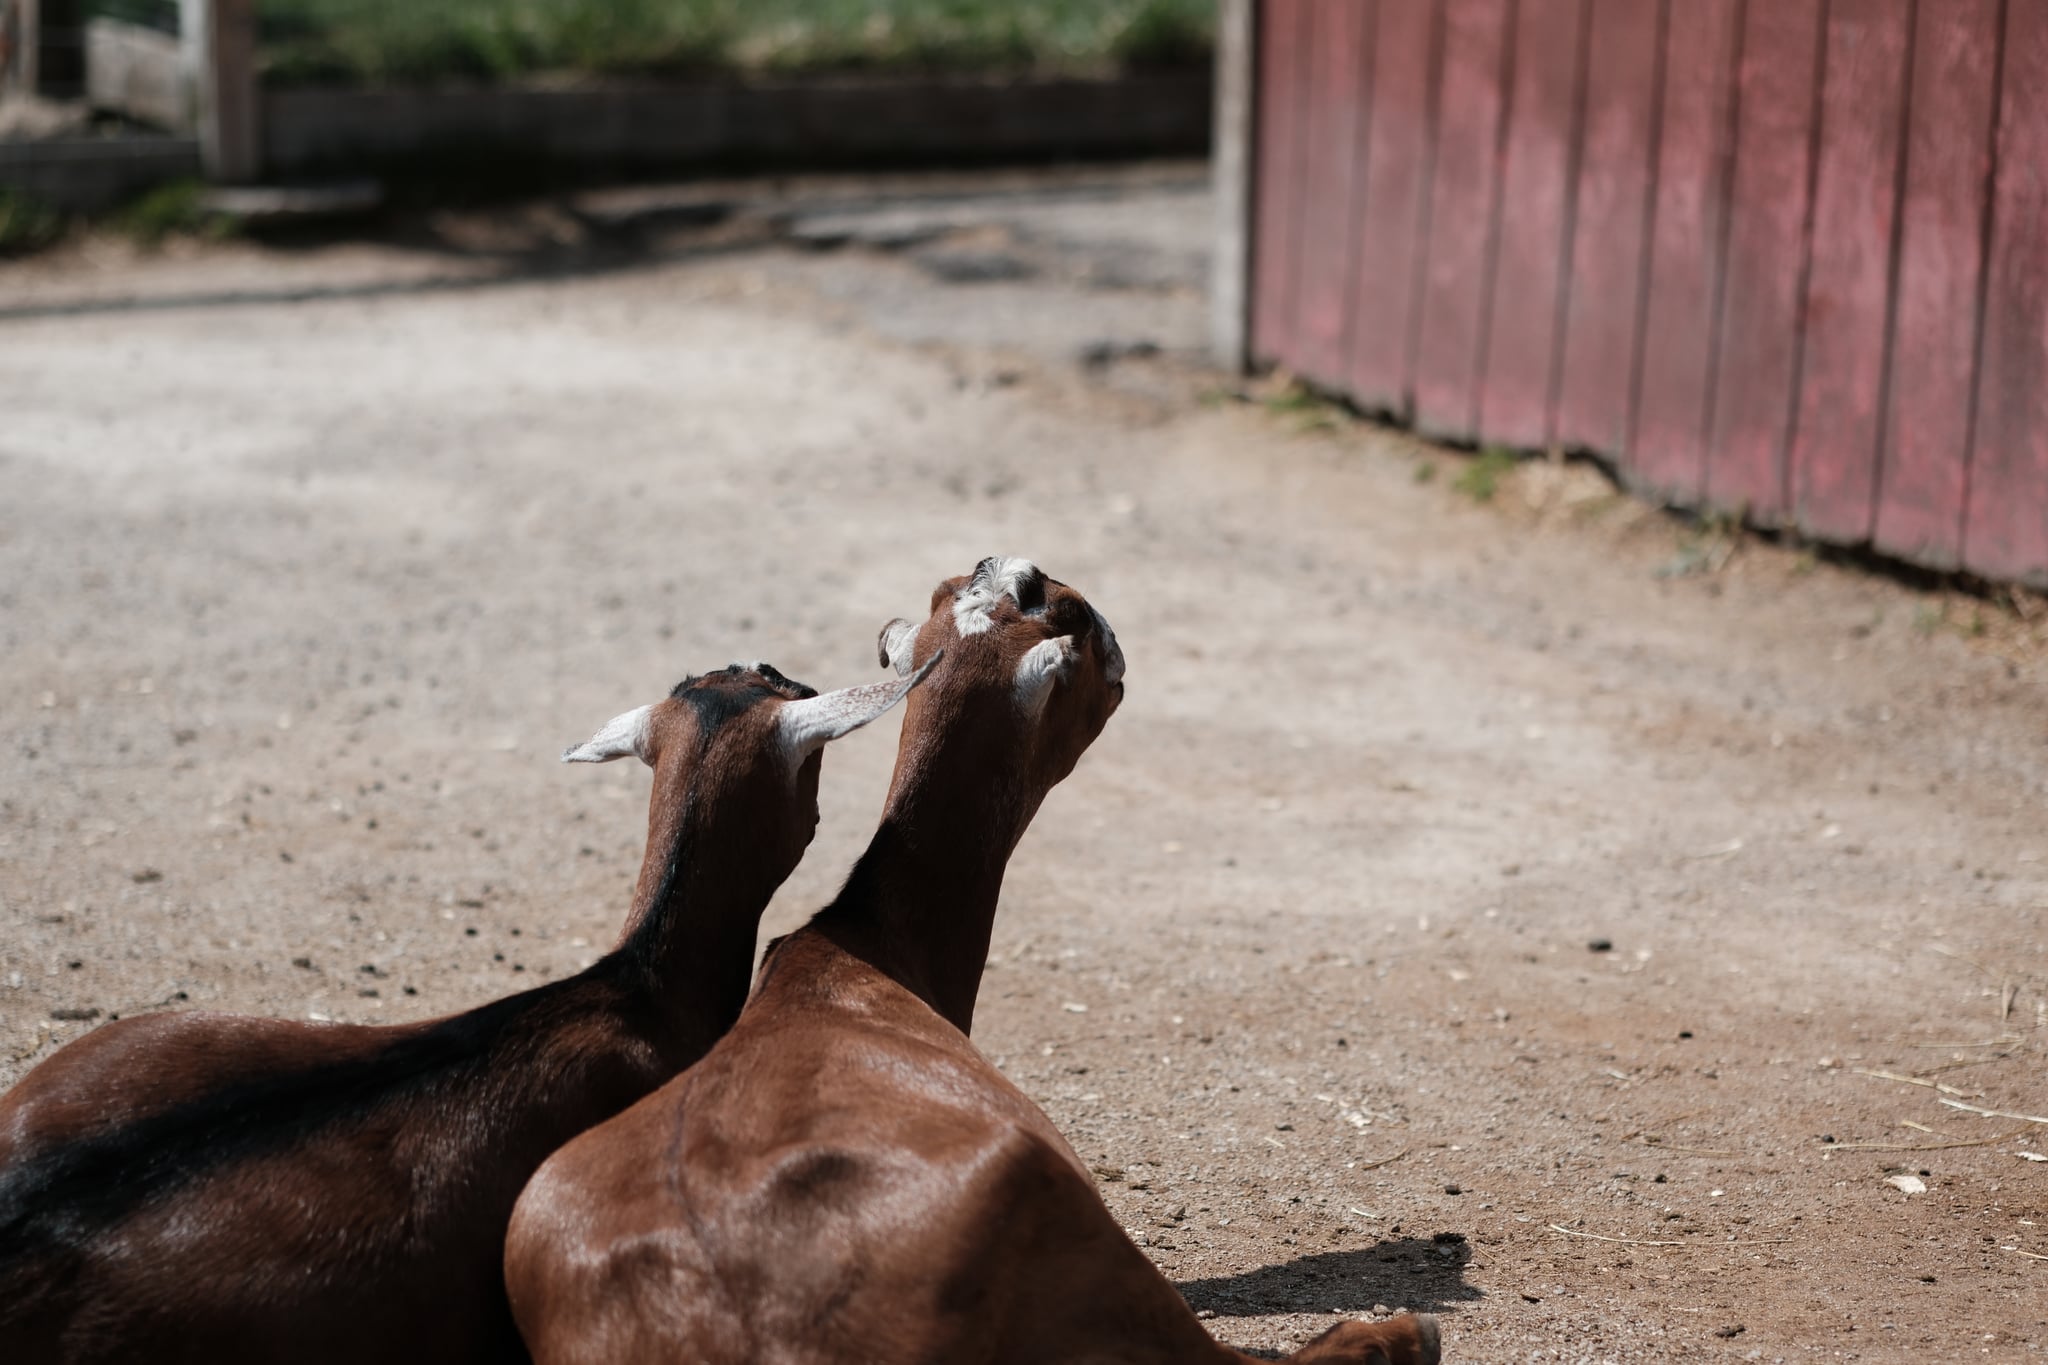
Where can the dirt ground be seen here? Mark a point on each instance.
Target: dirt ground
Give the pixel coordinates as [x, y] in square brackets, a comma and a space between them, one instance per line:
[1532, 910]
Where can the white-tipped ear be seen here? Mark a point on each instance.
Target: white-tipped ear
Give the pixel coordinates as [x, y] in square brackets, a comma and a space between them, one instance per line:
[808, 725]
[1048, 662]
[896, 645]
[621, 735]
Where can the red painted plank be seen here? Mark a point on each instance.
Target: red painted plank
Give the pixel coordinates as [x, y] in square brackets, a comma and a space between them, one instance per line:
[1537, 188]
[1463, 202]
[1668, 455]
[1389, 240]
[1339, 65]
[2007, 534]
[1757, 372]
[1848, 294]
[1948, 156]
[1276, 234]
[1611, 228]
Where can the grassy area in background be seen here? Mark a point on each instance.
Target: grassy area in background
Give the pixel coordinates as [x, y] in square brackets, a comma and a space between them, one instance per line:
[157, 14]
[388, 42]
[26, 224]
[174, 210]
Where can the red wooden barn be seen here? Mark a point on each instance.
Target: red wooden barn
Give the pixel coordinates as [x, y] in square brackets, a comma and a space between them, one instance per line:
[1787, 258]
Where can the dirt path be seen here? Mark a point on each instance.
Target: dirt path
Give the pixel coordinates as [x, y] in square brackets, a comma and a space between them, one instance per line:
[1450, 878]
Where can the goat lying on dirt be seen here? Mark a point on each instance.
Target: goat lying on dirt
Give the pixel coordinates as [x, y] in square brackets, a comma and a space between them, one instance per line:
[204, 1187]
[844, 1178]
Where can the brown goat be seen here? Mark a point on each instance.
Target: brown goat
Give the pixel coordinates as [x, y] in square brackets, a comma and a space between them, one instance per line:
[205, 1187]
[844, 1178]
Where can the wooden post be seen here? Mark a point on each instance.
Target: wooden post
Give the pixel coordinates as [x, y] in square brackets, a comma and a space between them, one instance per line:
[28, 43]
[219, 38]
[1236, 97]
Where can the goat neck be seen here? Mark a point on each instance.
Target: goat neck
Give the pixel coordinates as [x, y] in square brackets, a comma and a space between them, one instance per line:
[688, 943]
[734, 804]
[1027, 675]
[920, 905]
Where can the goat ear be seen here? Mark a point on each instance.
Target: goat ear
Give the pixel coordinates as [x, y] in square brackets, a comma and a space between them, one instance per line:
[807, 726]
[620, 736]
[897, 643]
[1047, 662]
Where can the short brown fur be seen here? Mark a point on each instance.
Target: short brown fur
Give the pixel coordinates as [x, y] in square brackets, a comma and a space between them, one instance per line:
[202, 1187]
[845, 1178]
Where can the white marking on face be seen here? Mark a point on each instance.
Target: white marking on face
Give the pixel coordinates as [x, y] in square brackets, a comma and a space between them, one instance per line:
[1000, 579]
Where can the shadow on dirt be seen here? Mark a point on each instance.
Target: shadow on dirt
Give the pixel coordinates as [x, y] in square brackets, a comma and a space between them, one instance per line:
[539, 242]
[958, 235]
[1410, 1272]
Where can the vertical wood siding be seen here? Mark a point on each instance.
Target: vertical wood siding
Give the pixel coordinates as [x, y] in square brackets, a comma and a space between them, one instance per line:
[1611, 230]
[1844, 382]
[2006, 534]
[1399, 159]
[1687, 217]
[1941, 257]
[1780, 258]
[1458, 253]
[1517, 399]
[1339, 35]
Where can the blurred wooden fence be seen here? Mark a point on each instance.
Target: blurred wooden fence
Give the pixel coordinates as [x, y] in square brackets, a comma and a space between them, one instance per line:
[1787, 258]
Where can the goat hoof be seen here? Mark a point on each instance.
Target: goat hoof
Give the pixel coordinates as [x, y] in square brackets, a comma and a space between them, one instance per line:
[1411, 1339]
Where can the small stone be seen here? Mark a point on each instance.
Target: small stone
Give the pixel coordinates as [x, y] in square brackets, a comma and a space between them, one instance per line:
[1733, 1331]
[1380, 1310]
[1452, 1189]
[1600, 945]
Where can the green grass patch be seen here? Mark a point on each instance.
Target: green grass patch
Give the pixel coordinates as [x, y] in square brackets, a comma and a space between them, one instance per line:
[1305, 409]
[174, 210]
[26, 224]
[408, 42]
[1480, 480]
